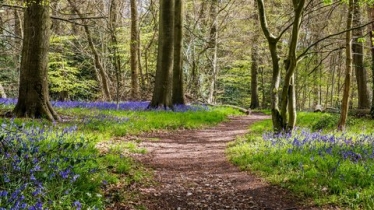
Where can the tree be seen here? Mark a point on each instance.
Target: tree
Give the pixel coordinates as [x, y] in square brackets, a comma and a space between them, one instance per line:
[134, 50]
[2, 92]
[213, 44]
[348, 71]
[254, 67]
[33, 99]
[358, 59]
[98, 65]
[178, 89]
[371, 29]
[113, 13]
[163, 84]
[288, 99]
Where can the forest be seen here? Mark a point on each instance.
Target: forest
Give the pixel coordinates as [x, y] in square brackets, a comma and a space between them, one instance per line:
[93, 92]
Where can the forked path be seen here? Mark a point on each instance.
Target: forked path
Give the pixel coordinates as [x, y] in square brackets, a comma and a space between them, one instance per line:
[192, 172]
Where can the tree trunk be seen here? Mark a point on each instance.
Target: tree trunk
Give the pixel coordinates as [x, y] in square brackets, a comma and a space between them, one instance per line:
[254, 67]
[134, 51]
[358, 60]
[18, 32]
[213, 43]
[33, 99]
[163, 84]
[348, 71]
[292, 115]
[254, 71]
[371, 29]
[113, 12]
[291, 64]
[2, 91]
[272, 42]
[98, 65]
[178, 89]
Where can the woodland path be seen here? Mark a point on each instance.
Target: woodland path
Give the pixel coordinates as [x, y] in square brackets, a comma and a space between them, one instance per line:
[192, 172]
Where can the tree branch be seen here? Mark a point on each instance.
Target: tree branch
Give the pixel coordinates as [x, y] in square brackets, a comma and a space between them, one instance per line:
[302, 55]
[320, 63]
[263, 21]
[67, 20]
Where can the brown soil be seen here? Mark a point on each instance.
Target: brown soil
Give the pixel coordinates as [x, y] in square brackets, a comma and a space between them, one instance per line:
[192, 172]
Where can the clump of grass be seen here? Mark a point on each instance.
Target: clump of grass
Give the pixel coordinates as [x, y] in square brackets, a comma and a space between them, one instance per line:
[330, 167]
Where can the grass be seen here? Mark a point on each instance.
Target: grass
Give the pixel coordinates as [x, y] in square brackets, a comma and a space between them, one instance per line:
[315, 162]
[82, 163]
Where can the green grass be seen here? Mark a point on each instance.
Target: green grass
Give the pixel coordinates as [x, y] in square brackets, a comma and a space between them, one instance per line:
[328, 167]
[109, 123]
[95, 152]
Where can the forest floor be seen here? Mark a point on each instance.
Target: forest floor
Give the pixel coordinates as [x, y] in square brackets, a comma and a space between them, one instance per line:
[191, 171]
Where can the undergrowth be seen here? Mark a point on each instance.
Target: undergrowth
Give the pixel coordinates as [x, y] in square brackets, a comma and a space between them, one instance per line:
[73, 164]
[314, 162]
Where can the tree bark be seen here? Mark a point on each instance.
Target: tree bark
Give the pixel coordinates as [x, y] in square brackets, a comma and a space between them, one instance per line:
[348, 71]
[178, 83]
[163, 84]
[213, 43]
[113, 12]
[254, 67]
[371, 29]
[18, 32]
[2, 91]
[272, 43]
[358, 60]
[290, 64]
[33, 99]
[134, 51]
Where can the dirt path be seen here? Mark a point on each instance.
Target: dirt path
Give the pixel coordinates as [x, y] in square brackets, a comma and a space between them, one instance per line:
[192, 172]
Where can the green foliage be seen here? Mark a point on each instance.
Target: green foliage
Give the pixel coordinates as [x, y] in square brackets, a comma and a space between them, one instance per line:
[235, 84]
[67, 80]
[330, 167]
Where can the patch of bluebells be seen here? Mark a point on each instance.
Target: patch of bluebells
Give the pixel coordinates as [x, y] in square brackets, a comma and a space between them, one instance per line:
[129, 105]
[37, 165]
[8, 101]
[323, 164]
[344, 147]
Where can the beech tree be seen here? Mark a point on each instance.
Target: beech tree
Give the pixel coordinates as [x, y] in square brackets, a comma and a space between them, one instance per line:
[134, 50]
[163, 84]
[255, 103]
[348, 70]
[178, 83]
[288, 100]
[358, 58]
[371, 35]
[33, 99]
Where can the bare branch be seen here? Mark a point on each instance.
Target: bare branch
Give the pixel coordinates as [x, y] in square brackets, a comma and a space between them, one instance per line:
[67, 20]
[302, 55]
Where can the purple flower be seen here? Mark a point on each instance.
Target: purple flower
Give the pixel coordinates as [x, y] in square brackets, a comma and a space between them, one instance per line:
[65, 173]
[32, 177]
[3, 193]
[77, 205]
